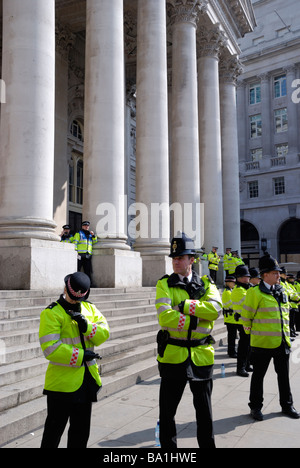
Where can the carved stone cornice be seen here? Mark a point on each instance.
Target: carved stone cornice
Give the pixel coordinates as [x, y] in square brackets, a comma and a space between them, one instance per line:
[186, 11]
[230, 68]
[210, 41]
[64, 40]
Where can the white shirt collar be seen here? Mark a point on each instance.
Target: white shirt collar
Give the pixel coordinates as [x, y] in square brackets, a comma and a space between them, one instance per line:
[188, 277]
[267, 285]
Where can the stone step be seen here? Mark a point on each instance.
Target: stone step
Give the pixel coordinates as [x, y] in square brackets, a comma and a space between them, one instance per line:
[34, 312]
[128, 325]
[129, 355]
[14, 372]
[20, 392]
[9, 327]
[28, 416]
[11, 299]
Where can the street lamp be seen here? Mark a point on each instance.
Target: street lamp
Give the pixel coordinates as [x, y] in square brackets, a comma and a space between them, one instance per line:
[264, 244]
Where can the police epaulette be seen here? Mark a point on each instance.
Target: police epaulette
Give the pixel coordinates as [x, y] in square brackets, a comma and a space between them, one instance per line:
[164, 277]
[51, 305]
[209, 278]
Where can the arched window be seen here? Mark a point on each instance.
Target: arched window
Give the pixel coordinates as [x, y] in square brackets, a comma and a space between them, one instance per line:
[248, 232]
[249, 243]
[77, 130]
[76, 179]
[289, 241]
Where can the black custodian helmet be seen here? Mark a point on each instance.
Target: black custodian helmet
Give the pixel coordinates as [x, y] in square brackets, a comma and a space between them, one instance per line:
[182, 245]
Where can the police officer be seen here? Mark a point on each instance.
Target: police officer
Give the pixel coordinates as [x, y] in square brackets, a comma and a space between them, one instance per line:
[254, 276]
[238, 296]
[226, 257]
[187, 307]
[213, 263]
[294, 298]
[84, 241]
[266, 320]
[229, 320]
[69, 330]
[65, 235]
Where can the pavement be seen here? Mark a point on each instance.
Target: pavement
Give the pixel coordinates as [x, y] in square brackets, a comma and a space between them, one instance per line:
[127, 419]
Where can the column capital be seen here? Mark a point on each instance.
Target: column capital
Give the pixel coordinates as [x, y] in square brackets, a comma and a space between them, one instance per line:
[230, 69]
[210, 41]
[264, 76]
[186, 11]
[64, 40]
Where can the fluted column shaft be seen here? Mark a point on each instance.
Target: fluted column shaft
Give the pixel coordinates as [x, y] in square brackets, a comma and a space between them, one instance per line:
[229, 70]
[27, 120]
[152, 182]
[104, 122]
[185, 181]
[210, 137]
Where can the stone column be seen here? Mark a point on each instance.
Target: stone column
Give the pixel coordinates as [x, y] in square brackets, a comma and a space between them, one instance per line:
[293, 123]
[185, 179]
[266, 116]
[104, 200]
[152, 147]
[209, 44]
[230, 68]
[31, 256]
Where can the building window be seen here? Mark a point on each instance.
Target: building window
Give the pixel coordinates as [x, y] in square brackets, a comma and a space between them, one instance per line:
[282, 150]
[278, 186]
[253, 189]
[281, 120]
[79, 182]
[77, 130]
[255, 93]
[256, 154]
[255, 126]
[280, 86]
[76, 180]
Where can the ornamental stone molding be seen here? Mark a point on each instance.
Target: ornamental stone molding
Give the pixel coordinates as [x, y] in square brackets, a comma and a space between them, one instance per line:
[186, 11]
[64, 40]
[210, 41]
[230, 68]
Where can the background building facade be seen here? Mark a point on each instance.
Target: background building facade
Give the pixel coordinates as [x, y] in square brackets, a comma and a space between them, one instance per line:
[123, 113]
[268, 132]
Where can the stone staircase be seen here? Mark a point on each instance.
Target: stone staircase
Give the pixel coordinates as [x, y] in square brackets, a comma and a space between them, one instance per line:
[128, 357]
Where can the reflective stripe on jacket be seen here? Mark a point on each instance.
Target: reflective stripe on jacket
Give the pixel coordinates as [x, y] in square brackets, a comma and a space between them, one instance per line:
[227, 306]
[84, 242]
[61, 345]
[213, 261]
[264, 319]
[207, 310]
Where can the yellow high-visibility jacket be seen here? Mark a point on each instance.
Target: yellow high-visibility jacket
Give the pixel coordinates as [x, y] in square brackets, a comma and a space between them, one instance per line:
[170, 292]
[61, 345]
[84, 242]
[227, 306]
[226, 261]
[238, 296]
[213, 261]
[265, 319]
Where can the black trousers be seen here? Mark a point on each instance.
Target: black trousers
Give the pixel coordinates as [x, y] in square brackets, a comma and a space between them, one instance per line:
[231, 337]
[171, 391]
[243, 352]
[86, 265]
[60, 411]
[260, 359]
[213, 275]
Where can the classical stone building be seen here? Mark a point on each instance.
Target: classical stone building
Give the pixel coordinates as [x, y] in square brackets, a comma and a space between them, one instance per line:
[123, 113]
[268, 128]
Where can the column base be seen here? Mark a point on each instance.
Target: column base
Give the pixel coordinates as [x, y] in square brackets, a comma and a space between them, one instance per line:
[155, 267]
[35, 264]
[113, 268]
